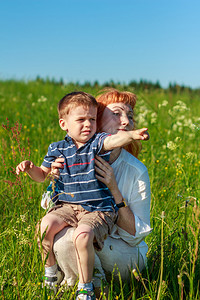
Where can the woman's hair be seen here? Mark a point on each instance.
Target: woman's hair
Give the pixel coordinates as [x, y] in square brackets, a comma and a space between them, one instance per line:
[111, 95]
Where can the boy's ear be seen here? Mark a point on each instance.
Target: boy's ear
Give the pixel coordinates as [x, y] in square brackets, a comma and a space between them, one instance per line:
[63, 124]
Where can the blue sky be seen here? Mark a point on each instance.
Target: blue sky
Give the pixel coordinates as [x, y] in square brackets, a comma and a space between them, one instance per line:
[88, 40]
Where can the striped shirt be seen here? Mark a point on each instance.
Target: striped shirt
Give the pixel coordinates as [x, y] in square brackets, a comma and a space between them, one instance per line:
[77, 183]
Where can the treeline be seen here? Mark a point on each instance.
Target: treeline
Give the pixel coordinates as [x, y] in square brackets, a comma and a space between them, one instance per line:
[133, 84]
[139, 85]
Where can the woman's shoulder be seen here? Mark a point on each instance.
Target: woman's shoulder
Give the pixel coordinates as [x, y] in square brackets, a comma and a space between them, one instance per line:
[132, 161]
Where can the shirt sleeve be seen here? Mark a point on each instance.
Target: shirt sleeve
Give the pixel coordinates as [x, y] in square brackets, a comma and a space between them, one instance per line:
[101, 137]
[139, 203]
[51, 155]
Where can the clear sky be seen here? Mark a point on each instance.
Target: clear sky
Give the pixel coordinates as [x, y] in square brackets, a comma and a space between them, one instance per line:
[88, 40]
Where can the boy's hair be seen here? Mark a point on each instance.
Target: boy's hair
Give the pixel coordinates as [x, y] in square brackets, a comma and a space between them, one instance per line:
[75, 99]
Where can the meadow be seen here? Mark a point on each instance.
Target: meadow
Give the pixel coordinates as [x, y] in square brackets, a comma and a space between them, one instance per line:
[29, 123]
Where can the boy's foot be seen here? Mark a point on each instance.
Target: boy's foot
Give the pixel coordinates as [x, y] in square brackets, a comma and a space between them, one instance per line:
[85, 295]
[52, 282]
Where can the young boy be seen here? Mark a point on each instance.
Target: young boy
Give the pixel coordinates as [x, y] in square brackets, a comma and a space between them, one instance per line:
[83, 201]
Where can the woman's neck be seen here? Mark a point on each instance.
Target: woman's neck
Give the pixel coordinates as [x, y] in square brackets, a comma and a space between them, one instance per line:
[114, 155]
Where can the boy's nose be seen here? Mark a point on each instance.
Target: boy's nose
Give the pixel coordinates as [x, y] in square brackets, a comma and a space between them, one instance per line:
[87, 123]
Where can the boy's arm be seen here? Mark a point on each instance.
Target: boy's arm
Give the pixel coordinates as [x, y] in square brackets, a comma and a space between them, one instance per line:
[36, 173]
[123, 138]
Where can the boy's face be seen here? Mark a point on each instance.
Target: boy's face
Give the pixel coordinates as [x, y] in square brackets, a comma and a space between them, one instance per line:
[80, 124]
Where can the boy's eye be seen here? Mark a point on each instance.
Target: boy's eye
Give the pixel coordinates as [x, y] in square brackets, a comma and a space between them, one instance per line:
[116, 113]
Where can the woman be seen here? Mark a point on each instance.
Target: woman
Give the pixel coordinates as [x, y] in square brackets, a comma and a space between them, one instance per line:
[130, 186]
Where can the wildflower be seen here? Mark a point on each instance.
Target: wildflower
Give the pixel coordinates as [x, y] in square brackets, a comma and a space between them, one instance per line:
[179, 165]
[28, 228]
[177, 139]
[42, 99]
[191, 155]
[32, 125]
[164, 103]
[191, 136]
[22, 239]
[23, 218]
[171, 146]
[180, 107]
[188, 123]
[153, 118]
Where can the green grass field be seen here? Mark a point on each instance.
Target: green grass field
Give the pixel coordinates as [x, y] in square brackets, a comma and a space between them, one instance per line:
[29, 123]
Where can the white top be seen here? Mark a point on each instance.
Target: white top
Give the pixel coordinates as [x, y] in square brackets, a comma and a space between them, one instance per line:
[133, 182]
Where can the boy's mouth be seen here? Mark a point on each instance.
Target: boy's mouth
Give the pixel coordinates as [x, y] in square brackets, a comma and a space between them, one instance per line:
[86, 132]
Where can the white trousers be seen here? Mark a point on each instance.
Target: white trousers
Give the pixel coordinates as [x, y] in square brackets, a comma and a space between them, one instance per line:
[116, 255]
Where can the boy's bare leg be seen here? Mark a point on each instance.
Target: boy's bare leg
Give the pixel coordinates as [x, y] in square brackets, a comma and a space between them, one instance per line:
[83, 241]
[51, 225]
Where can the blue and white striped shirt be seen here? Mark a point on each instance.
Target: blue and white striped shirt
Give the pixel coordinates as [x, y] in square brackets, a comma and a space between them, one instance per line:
[77, 183]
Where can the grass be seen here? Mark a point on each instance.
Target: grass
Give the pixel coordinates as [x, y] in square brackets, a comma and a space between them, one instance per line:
[29, 123]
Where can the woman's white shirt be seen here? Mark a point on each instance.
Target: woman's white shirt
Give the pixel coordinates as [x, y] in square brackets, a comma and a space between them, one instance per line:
[133, 182]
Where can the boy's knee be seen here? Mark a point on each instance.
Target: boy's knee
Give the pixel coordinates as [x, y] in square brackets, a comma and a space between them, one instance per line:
[83, 236]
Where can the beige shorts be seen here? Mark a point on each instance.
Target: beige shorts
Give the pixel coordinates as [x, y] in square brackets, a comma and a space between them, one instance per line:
[100, 222]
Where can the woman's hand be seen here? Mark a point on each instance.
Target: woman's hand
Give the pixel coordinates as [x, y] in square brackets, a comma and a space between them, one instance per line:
[126, 219]
[55, 166]
[105, 174]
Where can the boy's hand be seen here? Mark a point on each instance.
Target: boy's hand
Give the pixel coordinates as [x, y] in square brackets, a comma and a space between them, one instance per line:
[24, 166]
[55, 166]
[140, 134]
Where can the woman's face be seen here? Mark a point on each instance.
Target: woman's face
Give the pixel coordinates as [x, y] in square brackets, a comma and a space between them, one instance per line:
[116, 117]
